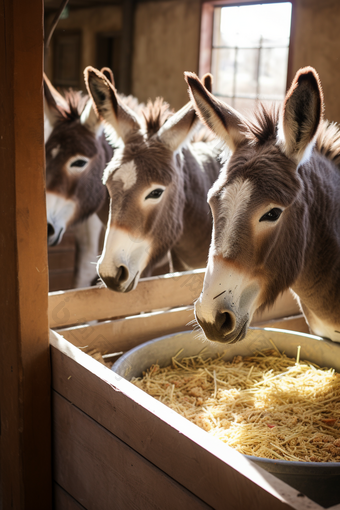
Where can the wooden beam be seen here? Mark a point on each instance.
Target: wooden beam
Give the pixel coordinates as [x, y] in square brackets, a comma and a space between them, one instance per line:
[206, 38]
[125, 64]
[124, 334]
[25, 442]
[79, 306]
[94, 303]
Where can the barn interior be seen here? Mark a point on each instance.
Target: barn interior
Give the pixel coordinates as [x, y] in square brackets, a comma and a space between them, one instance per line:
[148, 45]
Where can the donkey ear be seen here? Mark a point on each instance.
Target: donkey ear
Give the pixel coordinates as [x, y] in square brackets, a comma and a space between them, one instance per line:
[207, 80]
[54, 103]
[108, 105]
[301, 115]
[90, 119]
[176, 130]
[180, 126]
[106, 71]
[223, 120]
[53, 98]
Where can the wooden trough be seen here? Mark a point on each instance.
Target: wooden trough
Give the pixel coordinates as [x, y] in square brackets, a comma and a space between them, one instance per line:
[116, 448]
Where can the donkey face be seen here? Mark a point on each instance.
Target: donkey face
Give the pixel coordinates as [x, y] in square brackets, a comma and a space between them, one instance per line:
[74, 165]
[144, 182]
[75, 158]
[258, 237]
[145, 212]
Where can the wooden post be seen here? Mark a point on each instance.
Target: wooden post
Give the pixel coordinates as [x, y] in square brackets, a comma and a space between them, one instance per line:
[128, 7]
[25, 436]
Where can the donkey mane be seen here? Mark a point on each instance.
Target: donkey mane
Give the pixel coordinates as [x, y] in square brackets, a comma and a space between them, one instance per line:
[328, 141]
[264, 126]
[76, 101]
[155, 115]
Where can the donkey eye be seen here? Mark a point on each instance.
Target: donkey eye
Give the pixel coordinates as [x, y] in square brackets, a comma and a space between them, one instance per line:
[155, 193]
[79, 163]
[272, 215]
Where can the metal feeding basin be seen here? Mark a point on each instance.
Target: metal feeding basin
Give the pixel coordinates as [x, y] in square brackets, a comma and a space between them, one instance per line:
[319, 481]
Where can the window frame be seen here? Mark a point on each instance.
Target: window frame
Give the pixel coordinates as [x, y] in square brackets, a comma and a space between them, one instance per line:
[207, 27]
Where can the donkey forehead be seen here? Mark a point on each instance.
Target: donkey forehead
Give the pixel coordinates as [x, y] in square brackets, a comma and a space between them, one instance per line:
[71, 139]
[141, 165]
[272, 175]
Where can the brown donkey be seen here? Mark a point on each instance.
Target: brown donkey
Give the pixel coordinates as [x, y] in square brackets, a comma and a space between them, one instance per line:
[276, 213]
[76, 154]
[158, 182]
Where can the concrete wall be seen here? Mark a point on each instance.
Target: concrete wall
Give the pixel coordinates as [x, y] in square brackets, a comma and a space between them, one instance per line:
[166, 43]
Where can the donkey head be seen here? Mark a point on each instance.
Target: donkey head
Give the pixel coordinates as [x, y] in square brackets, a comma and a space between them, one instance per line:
[258, 237]
[75, 159]
[144, 180]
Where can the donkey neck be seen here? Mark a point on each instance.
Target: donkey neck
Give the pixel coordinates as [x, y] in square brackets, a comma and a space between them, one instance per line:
[107, 148]
[200, 169]
[318, 285]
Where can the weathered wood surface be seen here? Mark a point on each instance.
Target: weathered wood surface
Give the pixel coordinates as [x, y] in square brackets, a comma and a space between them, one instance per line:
[295, 323]
[101, 472]
[124, 334]
[63, 501]
[208, 468]
[167, 291]
[25, 439]
[120, 335]
[94, 303]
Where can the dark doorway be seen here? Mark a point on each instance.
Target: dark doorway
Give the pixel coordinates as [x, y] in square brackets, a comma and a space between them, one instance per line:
[108, 53]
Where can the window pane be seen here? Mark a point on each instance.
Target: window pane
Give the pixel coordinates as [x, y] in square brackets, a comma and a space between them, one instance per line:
[246, 74]
[223, 62]
[273, 73]
[250, 53]
[246, 106]
[248, 25]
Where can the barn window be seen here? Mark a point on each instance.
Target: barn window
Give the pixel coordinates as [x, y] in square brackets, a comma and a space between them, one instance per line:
[249, 53]
[67, 50]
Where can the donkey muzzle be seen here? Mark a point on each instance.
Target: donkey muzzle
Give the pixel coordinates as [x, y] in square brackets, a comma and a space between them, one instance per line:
[225, 327]
[120, 282]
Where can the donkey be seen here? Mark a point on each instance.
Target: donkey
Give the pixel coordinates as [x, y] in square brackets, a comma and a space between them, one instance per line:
[76, 154]
[157, 182]
[276, 212]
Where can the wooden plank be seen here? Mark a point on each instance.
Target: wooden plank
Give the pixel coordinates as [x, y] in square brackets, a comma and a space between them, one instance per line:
[24, 349]
[61, 280]
[61, 260]
[124, 334]
[296, 323]
[94, 303]
[100, 471]
[166, 291]
[204, 465]
[63, 501]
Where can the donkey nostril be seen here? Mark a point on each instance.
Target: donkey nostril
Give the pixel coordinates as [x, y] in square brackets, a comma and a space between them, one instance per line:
[50, 230]
[122, 274]
[225, 322]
